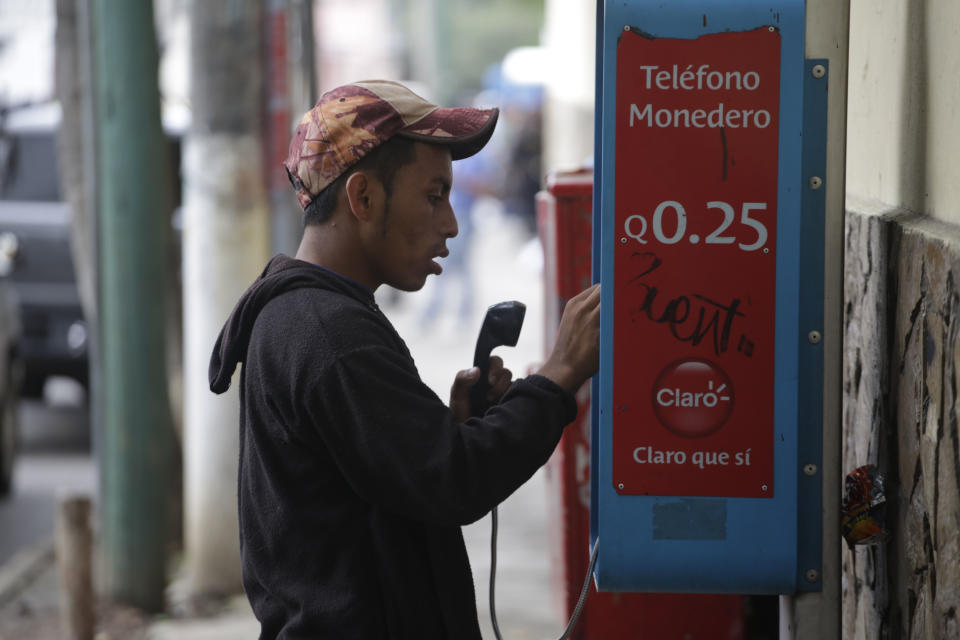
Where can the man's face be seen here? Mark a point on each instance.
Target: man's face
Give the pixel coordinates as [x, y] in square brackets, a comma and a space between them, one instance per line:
[415, 223]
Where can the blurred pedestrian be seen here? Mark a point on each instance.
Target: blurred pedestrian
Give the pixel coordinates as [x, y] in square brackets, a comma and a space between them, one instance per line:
[523, 140]
[354, 476]
[523, 169]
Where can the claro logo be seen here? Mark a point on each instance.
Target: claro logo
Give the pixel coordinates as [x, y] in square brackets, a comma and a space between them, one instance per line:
[693, 398]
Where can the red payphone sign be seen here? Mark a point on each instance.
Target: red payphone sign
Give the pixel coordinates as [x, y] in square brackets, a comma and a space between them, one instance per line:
[697, 127]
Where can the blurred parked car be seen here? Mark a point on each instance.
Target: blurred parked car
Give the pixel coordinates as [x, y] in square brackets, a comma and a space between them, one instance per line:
[11, 368]
[33, 213]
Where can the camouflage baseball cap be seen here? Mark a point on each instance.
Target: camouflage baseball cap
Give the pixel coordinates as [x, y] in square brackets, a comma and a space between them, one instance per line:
[350, 121]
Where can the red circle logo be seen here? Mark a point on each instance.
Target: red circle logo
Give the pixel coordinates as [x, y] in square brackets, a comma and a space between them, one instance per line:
[692, 398]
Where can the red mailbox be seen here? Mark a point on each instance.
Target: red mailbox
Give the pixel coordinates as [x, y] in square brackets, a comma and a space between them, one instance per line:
[564, 220]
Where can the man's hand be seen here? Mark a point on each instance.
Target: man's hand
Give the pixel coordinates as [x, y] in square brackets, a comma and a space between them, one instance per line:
[500, 379]
[576, 353]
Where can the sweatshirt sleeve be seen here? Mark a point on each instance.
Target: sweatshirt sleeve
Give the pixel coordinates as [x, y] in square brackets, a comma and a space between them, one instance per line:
[396, 443]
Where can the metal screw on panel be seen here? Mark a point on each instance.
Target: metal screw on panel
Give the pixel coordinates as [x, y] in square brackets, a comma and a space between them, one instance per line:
[771, 29]
[623, 240]
[763, 487]
[620, 486]
[818, 71]
[766, 249]
[812, 575]
[626, 27]
[814, 337]
[816, 182]
[810, 469]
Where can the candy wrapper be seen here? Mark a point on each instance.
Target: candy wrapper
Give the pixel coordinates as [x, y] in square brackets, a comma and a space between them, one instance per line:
[863, 514]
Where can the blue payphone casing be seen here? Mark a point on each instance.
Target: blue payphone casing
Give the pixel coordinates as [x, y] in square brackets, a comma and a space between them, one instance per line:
[707, 541]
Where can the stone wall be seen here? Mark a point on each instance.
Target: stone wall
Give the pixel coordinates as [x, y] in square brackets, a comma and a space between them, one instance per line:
[901, 362]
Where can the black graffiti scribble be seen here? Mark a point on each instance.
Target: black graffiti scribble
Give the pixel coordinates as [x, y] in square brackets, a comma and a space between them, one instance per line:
[691, 318]
[745, 346]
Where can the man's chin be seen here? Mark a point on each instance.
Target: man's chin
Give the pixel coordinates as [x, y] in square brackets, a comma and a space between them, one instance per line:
[410, 285]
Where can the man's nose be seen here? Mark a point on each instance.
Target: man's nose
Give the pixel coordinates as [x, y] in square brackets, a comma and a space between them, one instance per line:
[451, 229]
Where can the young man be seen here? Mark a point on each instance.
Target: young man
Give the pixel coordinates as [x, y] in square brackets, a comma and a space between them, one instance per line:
[354, 476]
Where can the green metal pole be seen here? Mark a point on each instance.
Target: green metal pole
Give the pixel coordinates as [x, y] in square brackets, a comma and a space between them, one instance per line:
[134, 183]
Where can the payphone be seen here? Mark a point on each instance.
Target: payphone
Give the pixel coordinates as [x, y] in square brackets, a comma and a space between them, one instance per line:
[718, 191]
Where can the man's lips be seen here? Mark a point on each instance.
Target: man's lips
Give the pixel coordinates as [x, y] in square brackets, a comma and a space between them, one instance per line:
[434, 265]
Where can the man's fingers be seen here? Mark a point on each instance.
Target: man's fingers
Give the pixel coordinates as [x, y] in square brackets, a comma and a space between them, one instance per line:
[499, 385]
[590, 296]
[499, 380]
[575, 354]
[460, 390]
[465, 379]
[460, 393]
[496, 365]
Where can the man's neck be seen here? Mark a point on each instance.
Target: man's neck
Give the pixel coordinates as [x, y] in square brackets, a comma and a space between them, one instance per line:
[331, 246]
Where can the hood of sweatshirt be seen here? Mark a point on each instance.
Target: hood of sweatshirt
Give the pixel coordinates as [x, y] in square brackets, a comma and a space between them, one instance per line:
[282, 274]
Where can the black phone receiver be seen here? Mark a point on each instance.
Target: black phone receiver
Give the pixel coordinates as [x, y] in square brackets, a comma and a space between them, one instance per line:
[501, 327]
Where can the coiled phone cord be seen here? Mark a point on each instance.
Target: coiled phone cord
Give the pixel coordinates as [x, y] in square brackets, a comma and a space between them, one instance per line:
[581, 601]
[493, 573]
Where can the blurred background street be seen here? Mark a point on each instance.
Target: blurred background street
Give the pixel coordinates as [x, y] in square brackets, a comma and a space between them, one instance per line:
[141, 191]
[120, 258]
[54, 454]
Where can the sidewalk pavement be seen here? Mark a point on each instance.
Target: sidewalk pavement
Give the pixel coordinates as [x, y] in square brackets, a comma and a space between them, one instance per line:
[526, 608]
[507, 268]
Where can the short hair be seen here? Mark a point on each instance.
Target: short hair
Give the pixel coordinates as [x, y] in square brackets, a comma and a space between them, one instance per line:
[384, 162]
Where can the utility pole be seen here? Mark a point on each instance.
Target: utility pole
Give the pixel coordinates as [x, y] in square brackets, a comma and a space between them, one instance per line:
[77, 161]
[285, 221]
[291, 90]
[300, 54]
[226, 242]
[134, 183]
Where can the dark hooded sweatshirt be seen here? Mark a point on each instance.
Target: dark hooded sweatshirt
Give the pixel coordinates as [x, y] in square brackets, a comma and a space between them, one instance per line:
[354, 480]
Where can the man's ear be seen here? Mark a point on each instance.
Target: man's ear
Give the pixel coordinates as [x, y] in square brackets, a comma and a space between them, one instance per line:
[361, 193]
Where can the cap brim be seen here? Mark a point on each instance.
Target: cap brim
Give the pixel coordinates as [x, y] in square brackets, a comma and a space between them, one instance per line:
[466, 131]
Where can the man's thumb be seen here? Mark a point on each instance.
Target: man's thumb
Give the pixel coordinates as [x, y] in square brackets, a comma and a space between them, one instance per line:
[460, 392]
[462, 382]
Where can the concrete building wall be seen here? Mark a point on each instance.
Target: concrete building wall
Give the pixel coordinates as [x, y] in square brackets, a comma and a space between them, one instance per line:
[903, 143]
[901, 352]
[569, 32]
